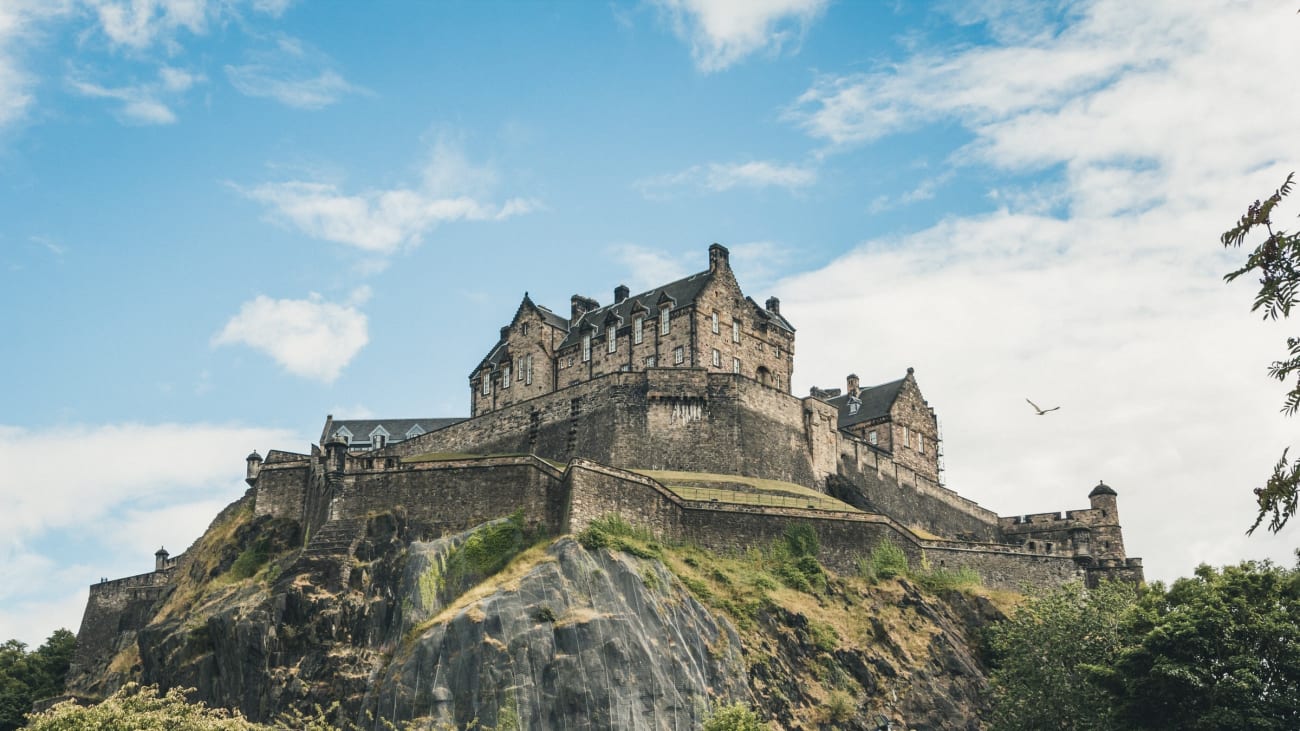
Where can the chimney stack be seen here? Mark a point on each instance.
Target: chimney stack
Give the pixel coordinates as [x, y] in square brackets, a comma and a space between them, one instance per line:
[580, 306]
[853, 384]
[620, 293]
[505, 331]
[774, 305]
[719, 258]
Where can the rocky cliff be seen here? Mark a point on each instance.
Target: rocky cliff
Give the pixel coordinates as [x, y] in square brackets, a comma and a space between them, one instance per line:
[511, 629]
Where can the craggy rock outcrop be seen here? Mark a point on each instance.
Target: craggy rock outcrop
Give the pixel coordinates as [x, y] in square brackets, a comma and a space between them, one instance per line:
[392, 627]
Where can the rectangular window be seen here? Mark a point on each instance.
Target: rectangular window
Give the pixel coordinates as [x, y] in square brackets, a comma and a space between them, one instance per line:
[586, 348]
[505, 376]
[650, 361]
[907, 438]
[679, 355]
[920, 443]
[735, 365]
[735, 331]
[663, 319]
[715, 323]
[871, 438]
[487, 383]
[611, 341]
[638, 324]
[519, 369]
[524, 328]
[528, 370]
[717, 358]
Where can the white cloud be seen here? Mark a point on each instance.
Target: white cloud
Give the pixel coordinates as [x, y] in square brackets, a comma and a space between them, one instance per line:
[722, 32]
[143, 103]
[138, 24]
[311, 338]
[1164, 123]
[293, 74]
[719, 177]
[20, 21]
[382, 221]
[647, 267]
[130, 488]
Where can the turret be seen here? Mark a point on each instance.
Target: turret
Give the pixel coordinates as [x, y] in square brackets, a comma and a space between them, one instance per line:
[254, 467]
[1107, 538]
[853, 384]
[336, 451]
[160, 559]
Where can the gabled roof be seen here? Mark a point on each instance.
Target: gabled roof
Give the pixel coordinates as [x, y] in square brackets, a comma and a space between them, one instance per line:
[772, 317]
[361, 429]
[875, 403]
[550, 318]
[681, 293]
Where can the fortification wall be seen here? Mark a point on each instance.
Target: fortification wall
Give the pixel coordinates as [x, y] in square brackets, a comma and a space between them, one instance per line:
[115, 611]
[663, 418]
[282, 489]
[457, 494]
[884, 486]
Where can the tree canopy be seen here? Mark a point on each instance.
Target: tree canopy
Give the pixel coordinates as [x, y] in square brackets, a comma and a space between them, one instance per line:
[26, 677]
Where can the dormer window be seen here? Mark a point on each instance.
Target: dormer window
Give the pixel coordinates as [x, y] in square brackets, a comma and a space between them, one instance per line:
[855, 405]
[611, 341]
[414, 432]
[663, 319]
[343, 435]
[378, 437]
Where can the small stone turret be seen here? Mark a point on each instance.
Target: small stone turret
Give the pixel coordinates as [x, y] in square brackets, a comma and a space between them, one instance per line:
[160, 559]
[336, 452]
[1107, 538]
[254, 467]
[852, 384]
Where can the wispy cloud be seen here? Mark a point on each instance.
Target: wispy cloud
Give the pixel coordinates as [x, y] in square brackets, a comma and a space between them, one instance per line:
[384, 220]
[719, 177]
[923, 191]
[648, 267]
[1099, 289]
[311, 338]
[723, 32]
[147, 103]
[140, 24]
[293, 74]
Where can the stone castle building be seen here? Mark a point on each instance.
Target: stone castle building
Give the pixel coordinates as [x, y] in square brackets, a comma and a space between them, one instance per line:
[573, 418]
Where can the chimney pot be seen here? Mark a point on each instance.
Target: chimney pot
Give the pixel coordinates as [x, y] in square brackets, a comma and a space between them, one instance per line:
[719, 257]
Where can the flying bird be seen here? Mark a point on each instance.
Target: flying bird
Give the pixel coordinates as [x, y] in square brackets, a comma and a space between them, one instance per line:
[1041, 411]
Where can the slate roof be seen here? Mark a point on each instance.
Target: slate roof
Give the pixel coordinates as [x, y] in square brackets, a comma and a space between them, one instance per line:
[682, 292]
[875, 403]
[550, 318]
[397, 428]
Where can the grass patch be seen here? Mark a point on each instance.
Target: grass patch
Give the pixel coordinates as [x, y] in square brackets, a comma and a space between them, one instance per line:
[887, 561]
[250, 560]
[735, 489]
[613, 532]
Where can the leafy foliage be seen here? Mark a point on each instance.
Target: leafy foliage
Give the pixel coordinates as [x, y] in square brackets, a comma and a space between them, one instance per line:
[135, 708]
[733, 717]
[1277, 262]
[886, 562]
[1044, 657]
[1220, 650]
[26, 677]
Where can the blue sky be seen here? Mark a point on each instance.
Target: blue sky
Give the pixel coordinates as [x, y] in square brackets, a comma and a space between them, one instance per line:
[222, 220]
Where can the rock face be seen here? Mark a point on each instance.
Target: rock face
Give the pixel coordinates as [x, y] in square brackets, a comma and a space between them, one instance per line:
[396, 628]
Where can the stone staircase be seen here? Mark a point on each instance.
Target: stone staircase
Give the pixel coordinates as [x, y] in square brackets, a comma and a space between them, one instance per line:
[329, 551]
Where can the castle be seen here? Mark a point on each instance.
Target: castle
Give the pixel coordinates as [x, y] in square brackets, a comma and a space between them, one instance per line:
[672, 409]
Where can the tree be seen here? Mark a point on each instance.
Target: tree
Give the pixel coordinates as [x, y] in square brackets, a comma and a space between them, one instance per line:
[26, 677]
[1220, 650]
[1277, 261]
[1046, 654]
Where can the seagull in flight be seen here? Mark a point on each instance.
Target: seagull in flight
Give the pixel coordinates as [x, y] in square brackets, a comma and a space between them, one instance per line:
[1041, 411]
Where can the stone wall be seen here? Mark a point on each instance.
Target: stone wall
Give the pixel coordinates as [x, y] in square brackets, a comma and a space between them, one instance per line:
[453, 495]
[114, 612]
[282, 489]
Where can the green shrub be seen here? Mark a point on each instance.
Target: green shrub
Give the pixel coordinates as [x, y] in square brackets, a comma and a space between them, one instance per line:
[839, 707]
[733, 717]
[888, 560]
[251, 560]
[801, 540]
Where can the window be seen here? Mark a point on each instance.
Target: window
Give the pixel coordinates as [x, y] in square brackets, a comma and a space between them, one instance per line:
[717, 358]
[650, 361]
[679, 355]
[872, 439]
[777, 378]
[920, 443]
[663, 319]
[378, 441]
[907, 438]
[519, 368]
[611, 341]
[586, 348]
[735, 365]
[715, 323]
[524, 328]
[505, 376]
[638, 324]
[487, 383]
[735, 331]
[528, 370]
